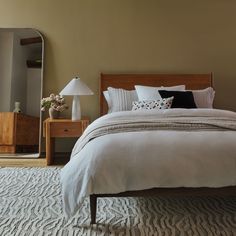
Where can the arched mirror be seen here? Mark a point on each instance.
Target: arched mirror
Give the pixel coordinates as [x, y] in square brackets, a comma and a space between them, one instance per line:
[21, 81]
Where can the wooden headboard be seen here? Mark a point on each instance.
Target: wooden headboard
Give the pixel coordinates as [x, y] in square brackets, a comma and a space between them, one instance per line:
[127, 81]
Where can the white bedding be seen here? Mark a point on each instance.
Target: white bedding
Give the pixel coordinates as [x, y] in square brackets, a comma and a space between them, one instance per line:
[139, 160]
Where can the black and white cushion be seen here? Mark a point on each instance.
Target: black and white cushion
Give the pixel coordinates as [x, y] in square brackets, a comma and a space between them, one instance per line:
[153, 104]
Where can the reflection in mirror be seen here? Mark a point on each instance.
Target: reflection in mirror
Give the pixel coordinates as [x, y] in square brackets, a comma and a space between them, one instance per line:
[21, 60]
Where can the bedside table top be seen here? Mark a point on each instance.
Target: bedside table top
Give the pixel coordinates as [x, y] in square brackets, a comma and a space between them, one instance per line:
[59, 120]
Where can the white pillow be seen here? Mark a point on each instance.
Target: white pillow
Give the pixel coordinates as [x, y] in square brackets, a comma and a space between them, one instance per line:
[120, 99]
[204, 98]
[164, 103]
[151, 93]
[108, 100]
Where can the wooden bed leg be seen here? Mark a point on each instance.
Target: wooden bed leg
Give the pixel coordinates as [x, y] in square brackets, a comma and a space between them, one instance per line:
[93, 208]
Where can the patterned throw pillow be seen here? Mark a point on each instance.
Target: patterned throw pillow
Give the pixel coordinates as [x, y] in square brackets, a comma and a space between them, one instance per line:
[165, 103]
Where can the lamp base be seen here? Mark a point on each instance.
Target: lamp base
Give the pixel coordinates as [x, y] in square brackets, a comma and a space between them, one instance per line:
[76, 112]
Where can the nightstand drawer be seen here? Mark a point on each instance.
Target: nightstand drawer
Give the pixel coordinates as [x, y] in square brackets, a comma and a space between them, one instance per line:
[65, 129]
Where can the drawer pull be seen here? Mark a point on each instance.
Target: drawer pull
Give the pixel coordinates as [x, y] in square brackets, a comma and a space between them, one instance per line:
[66, 130]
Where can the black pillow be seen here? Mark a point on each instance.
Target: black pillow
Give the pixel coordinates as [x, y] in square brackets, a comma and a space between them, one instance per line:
[182, 99]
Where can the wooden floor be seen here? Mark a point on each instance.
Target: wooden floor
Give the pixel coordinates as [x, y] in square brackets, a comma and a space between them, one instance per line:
[60, 160]
[27, 162]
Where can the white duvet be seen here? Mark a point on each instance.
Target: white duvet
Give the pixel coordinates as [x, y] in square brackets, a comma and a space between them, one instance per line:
[139, 160]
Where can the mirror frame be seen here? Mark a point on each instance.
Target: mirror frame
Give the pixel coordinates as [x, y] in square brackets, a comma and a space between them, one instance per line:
[41, 96]
[41, 93]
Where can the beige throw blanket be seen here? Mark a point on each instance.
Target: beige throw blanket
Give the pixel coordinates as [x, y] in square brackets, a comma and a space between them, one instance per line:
[148, 121]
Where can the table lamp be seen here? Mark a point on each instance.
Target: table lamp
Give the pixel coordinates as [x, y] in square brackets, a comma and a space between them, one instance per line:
[76, 88]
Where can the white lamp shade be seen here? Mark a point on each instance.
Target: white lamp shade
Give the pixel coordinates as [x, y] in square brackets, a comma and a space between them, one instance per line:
[76, 87]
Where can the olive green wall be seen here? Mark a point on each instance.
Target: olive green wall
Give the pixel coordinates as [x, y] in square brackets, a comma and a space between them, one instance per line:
[87, 37]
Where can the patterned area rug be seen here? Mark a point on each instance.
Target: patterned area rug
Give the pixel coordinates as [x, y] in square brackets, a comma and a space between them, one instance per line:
[30, 204]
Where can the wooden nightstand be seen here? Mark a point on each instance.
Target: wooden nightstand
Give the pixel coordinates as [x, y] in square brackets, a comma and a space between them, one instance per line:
[61, 128]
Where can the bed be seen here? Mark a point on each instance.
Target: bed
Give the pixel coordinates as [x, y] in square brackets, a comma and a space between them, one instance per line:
[79, 179]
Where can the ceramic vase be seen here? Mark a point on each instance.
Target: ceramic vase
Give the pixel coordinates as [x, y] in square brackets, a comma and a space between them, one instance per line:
[17, 107]
[53, 114]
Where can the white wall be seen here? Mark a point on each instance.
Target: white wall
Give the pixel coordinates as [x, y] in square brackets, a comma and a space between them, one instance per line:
[33, 91]
[6, 54]
[19, 74]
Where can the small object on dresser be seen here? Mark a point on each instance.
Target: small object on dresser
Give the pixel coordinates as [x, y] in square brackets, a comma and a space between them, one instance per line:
[17, 107]
[55, 104]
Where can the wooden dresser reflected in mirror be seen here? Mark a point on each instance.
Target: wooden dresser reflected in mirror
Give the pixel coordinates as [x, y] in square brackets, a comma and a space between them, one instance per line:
[21, 78]
[19, 133]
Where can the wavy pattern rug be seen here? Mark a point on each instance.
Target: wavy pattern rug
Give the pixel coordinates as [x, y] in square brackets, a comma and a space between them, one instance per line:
[30, 204]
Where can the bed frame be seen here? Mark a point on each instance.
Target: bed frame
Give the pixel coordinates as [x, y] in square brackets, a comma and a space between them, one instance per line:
[127, 81]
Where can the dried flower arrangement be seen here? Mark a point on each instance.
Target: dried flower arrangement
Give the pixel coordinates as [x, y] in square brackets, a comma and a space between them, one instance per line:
[56, 102]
